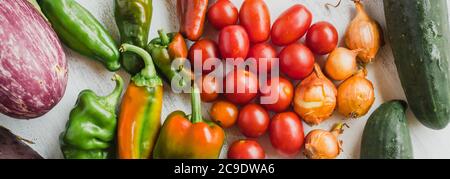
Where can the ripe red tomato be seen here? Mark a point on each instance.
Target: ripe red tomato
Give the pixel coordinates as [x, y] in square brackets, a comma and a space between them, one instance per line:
[239, 80]
[255, 17]
[296, 61]
[291, 25]
[207, 48]
[263, 53]
[224, 113]
[322, 38]
[281, 89]
[253, 120]
[209, 89]
[233, 42]
[222, 13]
[246, 149]
[286, 133]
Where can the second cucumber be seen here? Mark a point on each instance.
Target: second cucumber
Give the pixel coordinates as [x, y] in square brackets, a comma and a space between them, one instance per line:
[80, 31]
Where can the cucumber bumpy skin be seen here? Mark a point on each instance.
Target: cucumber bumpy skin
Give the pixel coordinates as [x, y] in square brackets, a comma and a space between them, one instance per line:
[419, 34]
[386, 134]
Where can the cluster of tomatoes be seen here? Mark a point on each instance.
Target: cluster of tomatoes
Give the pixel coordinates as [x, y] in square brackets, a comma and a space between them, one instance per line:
[250, 39]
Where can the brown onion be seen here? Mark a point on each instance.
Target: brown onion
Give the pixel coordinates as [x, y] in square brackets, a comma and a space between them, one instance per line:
[341, 64]
[321, 144]
[355, 95]
[315, 98]
[364, 33]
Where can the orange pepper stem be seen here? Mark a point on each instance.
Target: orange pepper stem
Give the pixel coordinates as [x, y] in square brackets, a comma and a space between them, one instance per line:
[149, 70]
[165, 40]
[196, 105]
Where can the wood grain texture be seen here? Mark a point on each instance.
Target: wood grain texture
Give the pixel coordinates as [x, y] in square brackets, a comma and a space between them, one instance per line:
[85, 73]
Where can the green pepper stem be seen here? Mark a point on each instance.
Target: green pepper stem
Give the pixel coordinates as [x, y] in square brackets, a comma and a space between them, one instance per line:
[196, 105]
[149, 69]
[165, 40]
[113, 97]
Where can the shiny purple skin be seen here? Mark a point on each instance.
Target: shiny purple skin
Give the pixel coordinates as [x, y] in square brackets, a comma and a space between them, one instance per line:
[14, 147]
[33, 66]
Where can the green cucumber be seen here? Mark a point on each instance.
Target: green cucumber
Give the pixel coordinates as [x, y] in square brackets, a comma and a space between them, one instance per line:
[386, 134]
[419, 35]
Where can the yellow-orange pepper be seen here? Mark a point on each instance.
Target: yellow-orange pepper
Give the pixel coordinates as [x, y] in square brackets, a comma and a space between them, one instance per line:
[140, 112]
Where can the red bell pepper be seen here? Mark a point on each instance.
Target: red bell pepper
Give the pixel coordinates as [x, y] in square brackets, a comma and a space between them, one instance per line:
[189, 137]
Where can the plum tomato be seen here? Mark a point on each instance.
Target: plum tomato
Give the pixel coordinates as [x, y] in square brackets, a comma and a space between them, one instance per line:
[296, 61]
[222, 13]
[240, 86]
[322, 38]
[286, 133]
[224, 113]
[246, 149]
[254, 16]
[279, 89]
[234, 42]
[207, 48]
[291, 25]
[253, 120]
[263, 53]
[209, 89]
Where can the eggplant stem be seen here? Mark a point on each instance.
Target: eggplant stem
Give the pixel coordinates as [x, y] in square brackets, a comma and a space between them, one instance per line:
[25, 140]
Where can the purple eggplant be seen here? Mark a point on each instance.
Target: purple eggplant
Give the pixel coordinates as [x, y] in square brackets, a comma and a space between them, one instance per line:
[13, 147]
[33, 66]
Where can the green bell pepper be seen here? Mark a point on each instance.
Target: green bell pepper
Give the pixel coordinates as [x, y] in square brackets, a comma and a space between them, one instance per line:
[92, 124]
[133, 17]
[80, 31]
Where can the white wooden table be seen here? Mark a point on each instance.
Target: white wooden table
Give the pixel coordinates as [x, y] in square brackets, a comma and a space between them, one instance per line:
[85, 73]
